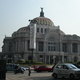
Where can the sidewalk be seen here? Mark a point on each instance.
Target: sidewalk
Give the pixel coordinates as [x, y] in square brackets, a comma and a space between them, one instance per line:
[34, 76]
[19, 76]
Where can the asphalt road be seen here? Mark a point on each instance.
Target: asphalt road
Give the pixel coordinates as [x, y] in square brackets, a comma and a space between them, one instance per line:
[33, 76]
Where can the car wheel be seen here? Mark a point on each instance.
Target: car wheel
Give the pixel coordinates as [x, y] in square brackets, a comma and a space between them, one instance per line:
[37, 71]
[71, 76]
[49, 71]
[22, 72]
[15, 72]
[54, 75]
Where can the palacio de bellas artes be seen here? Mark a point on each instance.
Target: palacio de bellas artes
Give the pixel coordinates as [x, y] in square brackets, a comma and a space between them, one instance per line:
[41, 41]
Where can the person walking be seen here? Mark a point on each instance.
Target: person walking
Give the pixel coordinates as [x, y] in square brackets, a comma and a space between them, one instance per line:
[29, 71]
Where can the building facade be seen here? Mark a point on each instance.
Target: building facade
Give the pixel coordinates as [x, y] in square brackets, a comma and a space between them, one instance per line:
[52, 44]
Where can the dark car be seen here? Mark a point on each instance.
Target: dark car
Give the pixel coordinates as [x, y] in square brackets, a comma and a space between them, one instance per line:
[14, 67]
[11, 67]
[43, 68]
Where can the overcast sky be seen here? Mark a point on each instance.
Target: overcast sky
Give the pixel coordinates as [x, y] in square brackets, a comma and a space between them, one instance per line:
[15, 14]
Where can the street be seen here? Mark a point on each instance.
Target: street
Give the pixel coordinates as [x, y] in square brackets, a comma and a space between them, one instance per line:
[33, 76]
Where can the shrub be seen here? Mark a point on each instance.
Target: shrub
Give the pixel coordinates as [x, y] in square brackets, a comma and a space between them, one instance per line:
[21, 61]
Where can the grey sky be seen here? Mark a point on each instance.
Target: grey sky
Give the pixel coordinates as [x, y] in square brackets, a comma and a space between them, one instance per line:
[15, 14]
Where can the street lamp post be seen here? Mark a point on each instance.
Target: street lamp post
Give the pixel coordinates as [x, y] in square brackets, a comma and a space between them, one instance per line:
[32, 55]
[61, 59]
[32, 36]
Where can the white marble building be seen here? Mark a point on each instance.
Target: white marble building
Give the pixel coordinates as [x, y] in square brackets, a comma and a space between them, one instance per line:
[52, 44]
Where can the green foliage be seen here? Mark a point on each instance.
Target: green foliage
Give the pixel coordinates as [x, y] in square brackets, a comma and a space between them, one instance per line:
[38, 63]
[33, 62]
[21, 61]
[29, 62]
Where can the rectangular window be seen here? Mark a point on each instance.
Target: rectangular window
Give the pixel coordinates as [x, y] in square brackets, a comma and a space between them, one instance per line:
[28, 46]
[51, 46]
[48, 48]
[64, 47]
[38, 30]
[75, 47]
[45, 30]
[41, 30]
[40, 46]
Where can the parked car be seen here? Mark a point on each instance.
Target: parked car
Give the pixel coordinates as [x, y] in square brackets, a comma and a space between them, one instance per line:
[18, 70]
[14, 67]
[24, 68]
[77, 65]
[66, 70]
[11, 67]
[42, 68]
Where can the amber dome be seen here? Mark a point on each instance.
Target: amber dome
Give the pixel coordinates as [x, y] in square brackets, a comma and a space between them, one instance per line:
[43, 21]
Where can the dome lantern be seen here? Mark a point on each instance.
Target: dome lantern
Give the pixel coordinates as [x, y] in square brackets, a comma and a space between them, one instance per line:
[41, 13]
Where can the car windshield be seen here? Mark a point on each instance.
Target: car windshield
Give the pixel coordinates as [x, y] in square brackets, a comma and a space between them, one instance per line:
[71, 66]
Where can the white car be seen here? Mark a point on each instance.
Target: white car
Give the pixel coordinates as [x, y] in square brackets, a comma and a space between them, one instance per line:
[66, 70]
[24, 68]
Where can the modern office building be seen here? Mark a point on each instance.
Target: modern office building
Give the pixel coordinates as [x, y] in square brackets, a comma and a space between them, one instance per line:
[49, 43]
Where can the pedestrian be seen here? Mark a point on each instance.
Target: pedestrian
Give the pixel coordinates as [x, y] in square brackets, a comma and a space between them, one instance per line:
[16, 68]
[29, 71]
